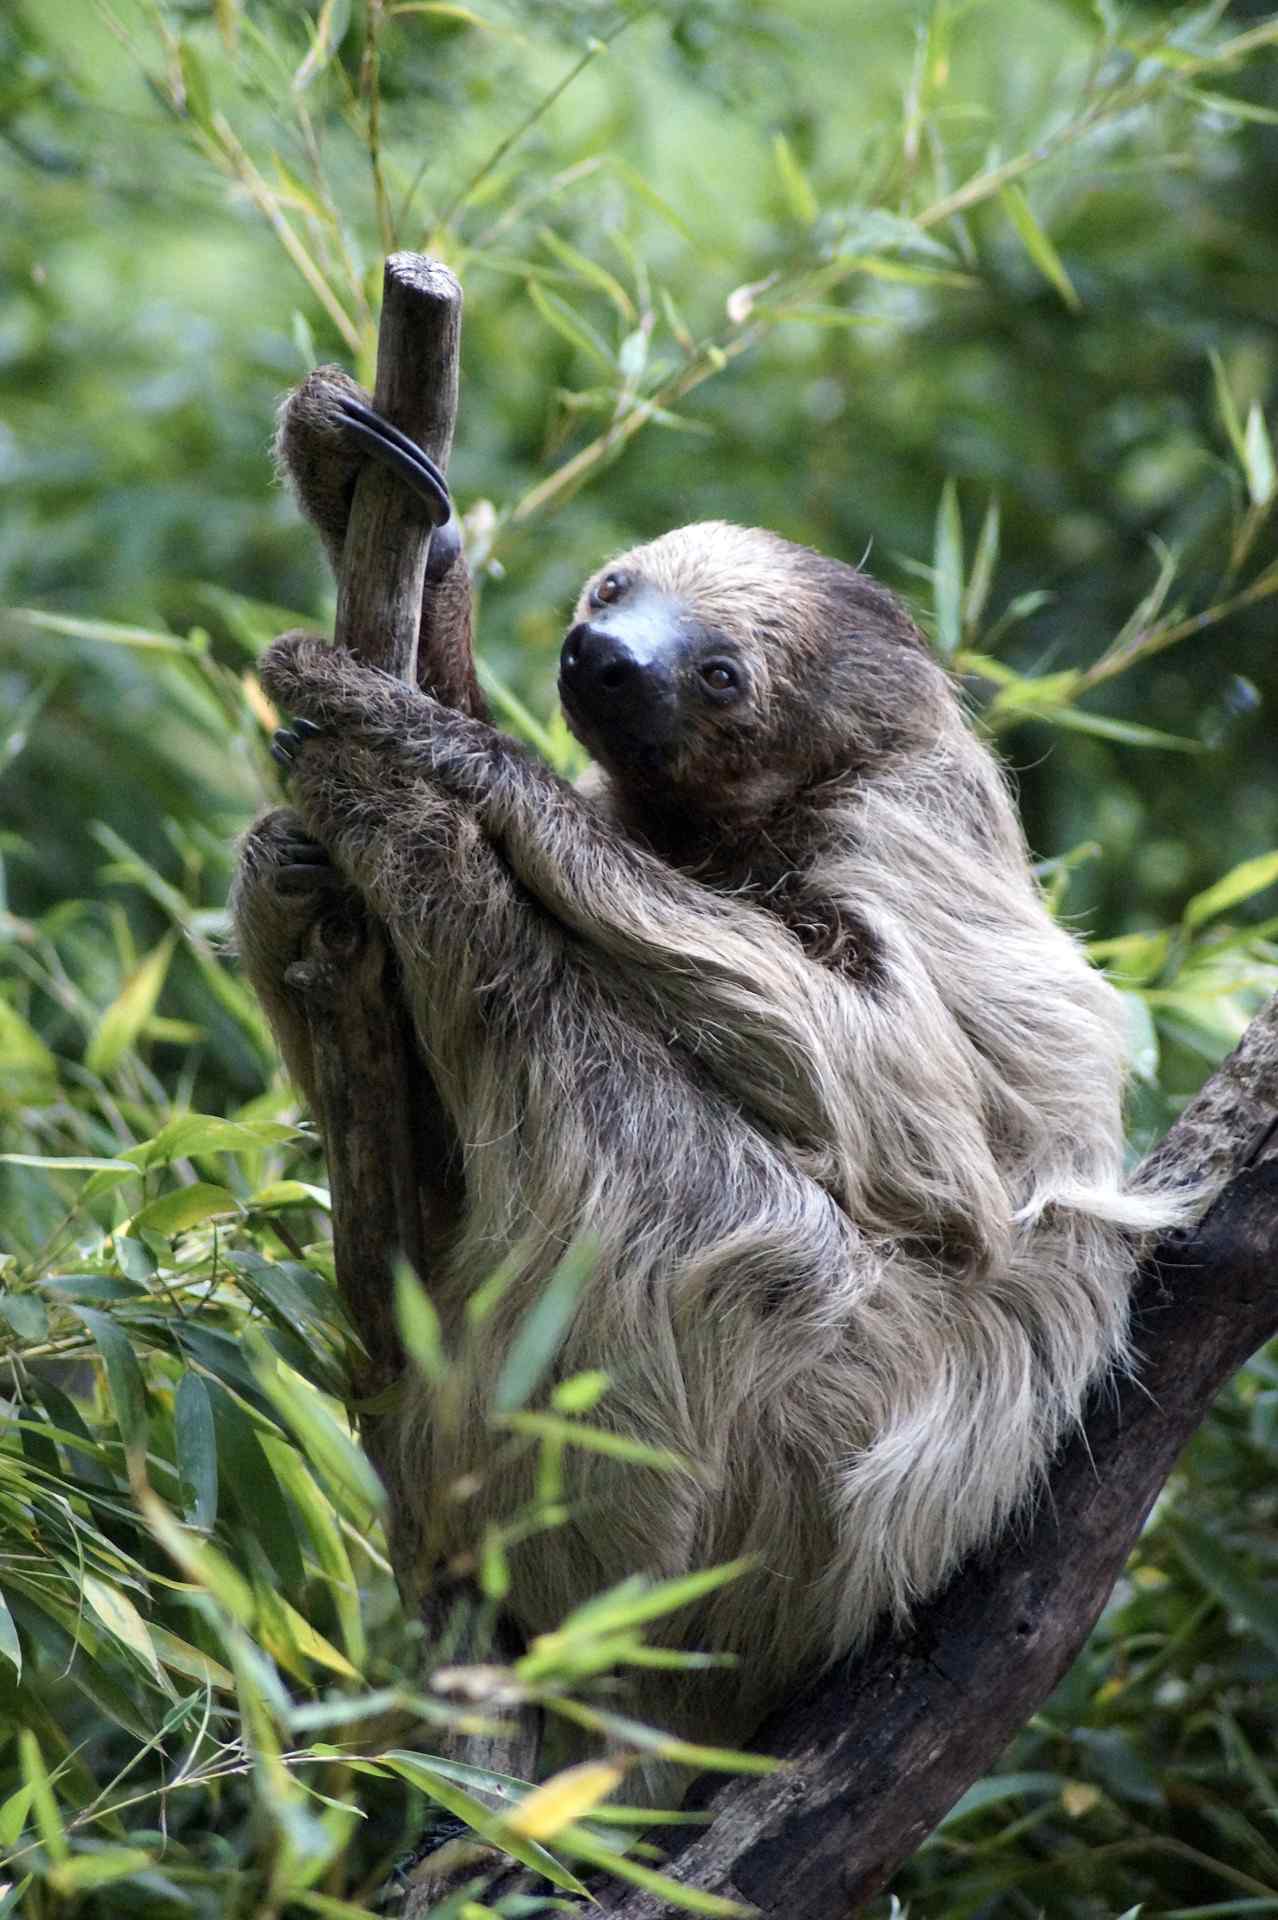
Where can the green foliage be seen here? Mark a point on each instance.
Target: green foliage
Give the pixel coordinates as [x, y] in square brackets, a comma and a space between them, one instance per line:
[987, 284]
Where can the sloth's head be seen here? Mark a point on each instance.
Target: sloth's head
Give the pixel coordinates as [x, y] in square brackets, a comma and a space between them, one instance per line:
[730, 669]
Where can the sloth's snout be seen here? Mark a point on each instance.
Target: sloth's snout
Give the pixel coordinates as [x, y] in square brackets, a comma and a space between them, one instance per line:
[617, 678]
[597, 666]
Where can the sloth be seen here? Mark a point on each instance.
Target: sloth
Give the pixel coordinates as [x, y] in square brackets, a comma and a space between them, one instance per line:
[770, 1013]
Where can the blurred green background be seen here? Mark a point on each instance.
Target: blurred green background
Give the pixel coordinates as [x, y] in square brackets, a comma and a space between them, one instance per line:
[983, 291]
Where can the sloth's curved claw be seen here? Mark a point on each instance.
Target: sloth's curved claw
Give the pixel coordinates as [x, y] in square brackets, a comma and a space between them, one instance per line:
[287, 742]
[403, 456]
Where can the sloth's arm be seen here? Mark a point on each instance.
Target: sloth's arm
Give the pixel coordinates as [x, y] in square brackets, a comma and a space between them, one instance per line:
[813, 1056]
[326, 433]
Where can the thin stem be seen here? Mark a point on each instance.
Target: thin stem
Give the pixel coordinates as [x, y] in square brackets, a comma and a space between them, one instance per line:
[543, 106]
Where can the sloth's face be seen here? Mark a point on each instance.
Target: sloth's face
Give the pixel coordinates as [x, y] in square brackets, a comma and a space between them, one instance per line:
[642, 672]
[723, 667]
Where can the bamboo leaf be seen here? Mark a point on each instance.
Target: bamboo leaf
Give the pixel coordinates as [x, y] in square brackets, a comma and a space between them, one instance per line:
[125, 1384]
[334, 1455]
[128, 1013]
[590, 271]
[196, 1444]
[794, 181]
[1258, 458]
[43, 1804]
[1240, 883]
[200, 1133]
[687, 1899]
[327, 36]
[1038, 246]
[947, 578]
[10, 1645]
[984, 562]
[184, 1208]
[618, 1446]
[121, 1618]
[456, 1800]
[541, 1332]
[568, 323]
[1228, 411]
[25, 1061]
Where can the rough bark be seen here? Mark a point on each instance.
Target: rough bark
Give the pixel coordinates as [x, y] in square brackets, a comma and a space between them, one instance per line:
[383, 1133]
[878, 1752]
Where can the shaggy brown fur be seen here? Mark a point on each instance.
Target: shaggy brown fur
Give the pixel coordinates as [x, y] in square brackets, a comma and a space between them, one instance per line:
[784, 1025]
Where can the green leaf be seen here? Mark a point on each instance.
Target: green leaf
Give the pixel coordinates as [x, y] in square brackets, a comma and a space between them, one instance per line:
[480, 1819]
[580, 1393]
[109, 631]
[98, 1869]
[947, 581]
[327, 35]
[196, 1445]
[625, 1732]
[25, 1061]
[121, 1618]
[13, 1819]
[45, 1807]
[185, 1207]
[586, 1846]
[1240, 883]
[531, 1353]
[638, 1600]
[10, 1645]
[124, 1019]
[1258, 458]
[795, 183]
[198, 1133]
[125, 1384]
[183, 1658]
[1228, 411]
[331, 1452]
[618, 1446]
[1003, 1786]
[1221, 1575]
[1038, 246]
[26, 1313]
[250, 1484]
[1130, 732]
[984, 562]
[195, 86]
[61, 1163]
[418, 1324]
[568, 323]
[590, 271]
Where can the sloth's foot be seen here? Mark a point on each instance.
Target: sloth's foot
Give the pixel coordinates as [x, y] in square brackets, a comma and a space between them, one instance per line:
[378, 438]
[327, 430]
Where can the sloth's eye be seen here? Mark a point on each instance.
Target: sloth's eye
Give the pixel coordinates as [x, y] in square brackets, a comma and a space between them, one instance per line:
[720, 677]
[610, 588]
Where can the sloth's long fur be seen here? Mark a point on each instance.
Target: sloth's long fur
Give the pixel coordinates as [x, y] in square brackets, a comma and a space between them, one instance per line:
[788, 1031]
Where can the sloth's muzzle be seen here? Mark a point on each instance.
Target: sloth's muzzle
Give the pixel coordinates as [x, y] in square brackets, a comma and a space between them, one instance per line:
[618, 674]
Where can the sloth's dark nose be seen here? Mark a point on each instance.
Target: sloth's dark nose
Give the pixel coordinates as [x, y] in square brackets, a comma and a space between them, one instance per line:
[598, 667]
[617, 675]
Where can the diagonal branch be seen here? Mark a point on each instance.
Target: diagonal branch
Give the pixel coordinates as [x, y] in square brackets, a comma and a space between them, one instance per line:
[880, 1751]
